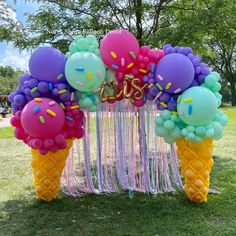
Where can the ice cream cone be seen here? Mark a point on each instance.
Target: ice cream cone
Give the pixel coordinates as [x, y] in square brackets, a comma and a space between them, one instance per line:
[196, 163]
[47, 170]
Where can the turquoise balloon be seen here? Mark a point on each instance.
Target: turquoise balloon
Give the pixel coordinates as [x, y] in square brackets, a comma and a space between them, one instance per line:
[160, 131]
[169, 125]
[175, 133]
[197, 106]
[165, 114]
[184, 132]
[210, 80]
[169, 139]
[218, 130]
[85, 71]
[159, 121]
[201, 131]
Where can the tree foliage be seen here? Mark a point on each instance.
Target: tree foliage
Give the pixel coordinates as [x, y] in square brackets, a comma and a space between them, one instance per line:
[209, 26]
[8, 79]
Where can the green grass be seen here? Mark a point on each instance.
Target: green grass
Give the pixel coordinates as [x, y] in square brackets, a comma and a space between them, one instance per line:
[6, 132]
[116, 214]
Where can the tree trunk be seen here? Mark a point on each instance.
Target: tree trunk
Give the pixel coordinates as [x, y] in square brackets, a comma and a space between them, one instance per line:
[233, 93]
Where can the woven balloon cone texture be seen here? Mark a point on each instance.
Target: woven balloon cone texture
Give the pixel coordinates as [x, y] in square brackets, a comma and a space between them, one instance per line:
[196, 163]
[47, 170]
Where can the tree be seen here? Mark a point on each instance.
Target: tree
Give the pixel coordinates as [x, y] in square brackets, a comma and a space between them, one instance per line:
[208, 26]
[8, 79]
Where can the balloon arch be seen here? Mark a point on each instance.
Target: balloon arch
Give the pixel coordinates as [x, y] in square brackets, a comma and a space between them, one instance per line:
[107, 119]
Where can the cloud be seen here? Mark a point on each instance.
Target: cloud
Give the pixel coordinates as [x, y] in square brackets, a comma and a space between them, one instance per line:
[15, 58]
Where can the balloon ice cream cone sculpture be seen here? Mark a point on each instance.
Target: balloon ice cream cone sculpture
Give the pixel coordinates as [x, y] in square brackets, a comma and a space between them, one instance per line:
[48, 103]
[194, 126]
[47, 118]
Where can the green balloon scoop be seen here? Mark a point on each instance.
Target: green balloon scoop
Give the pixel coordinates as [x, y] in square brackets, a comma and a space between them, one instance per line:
[197, 115]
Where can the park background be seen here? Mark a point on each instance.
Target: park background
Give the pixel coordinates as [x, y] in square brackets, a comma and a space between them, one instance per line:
[208, 26]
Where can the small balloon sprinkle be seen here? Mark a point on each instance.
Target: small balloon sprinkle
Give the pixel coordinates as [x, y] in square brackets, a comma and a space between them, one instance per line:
[100, 75]
[38, 100]
[41, 119]
[51, 113]
[174, 112]
[59, 76]
[74, 107]
[113, 54]
[159, 86]
[51, 103]
[160, 77]
[180, 111]
[69, 118]
[177, 90]
[179, 98]
[90, 75]
[33, 90]
[152, 67]
[36, 109]
[187, 99]
[130, 65]
[143, 71]
[114, 66]
[62, 91]
[157, 96]
[72, 96]
[190, 109]
[62, 105]
[122, 61]
[168, 85]
[132, 54]
[150, 85]
[129, 76]
[79, 69]
[163, 104]
[50, 86]
[80, 83]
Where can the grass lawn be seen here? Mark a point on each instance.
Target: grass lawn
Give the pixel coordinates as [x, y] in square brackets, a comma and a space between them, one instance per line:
[115, 214]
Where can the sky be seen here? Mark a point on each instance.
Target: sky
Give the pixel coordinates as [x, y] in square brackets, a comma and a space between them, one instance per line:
[8, 54]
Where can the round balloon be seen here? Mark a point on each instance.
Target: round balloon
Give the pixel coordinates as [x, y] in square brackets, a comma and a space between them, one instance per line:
[48, 64]
[119, 49]
[42, 118]
[174, 73]
[85, 71]
[197, 106]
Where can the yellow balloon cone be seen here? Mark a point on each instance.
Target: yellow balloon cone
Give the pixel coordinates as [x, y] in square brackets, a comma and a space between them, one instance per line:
[196, 162]
[47, 170]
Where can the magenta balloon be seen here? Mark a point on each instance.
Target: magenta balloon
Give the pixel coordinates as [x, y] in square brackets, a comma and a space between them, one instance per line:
[119, 48]
[48, 64]
[174, 72]
[37, 120]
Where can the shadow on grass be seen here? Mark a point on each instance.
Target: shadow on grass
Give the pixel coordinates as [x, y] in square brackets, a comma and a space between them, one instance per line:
[117, 214]
[114, 214]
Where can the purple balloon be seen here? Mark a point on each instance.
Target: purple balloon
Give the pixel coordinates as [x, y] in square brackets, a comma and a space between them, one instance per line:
[174, 72]
[19, 100]
[11, 97]
[33, 83]
[43, 87]
[164, 97]
[48, 64]
[24, 78]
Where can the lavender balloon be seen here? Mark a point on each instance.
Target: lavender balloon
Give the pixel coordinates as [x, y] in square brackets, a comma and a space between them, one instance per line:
[47, 64]
[174, 72]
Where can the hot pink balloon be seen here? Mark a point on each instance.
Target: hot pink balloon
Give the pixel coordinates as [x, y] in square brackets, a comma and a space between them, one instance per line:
[43, 118]
[119, 49]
